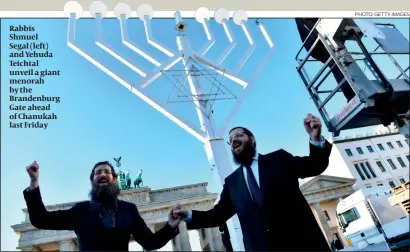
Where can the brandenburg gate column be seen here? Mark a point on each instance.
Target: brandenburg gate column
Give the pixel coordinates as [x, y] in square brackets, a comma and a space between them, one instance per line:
[176, 244]
[202, 238]
[217, 240]
[214, 239]
[67, 245]
[208, 237]
[181, 241]
[183, 236]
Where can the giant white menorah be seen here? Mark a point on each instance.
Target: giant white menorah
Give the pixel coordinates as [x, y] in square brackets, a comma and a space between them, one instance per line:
[208, 133]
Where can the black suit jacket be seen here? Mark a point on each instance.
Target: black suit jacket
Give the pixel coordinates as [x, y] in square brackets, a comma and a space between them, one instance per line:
[291, 223]
[90, 233]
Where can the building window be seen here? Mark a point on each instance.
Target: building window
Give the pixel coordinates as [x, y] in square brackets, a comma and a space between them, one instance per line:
[349, 152]
[399, 144]
[326, 215]
[390, 145]
[391, 183]
[401, 162]
[370, 169]
[380, 165]
[349, 216]
[365, 171]
[359, 150]
[370, 148]
[368, 186]
[359, 171]
[408, 157]
[380, 147]
[402, 180]
[203, 234]
[391, 164]
[379, 184]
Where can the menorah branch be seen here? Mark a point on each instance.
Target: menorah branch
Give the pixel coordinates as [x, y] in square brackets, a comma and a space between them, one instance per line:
[132, 44]
[231, 39]
[247, 54]
[145, 13]
[202, 16]
[111, 51]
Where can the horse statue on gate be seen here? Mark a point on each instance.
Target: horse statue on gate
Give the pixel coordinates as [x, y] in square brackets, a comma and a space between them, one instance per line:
[119, 179]
[123, 181]
[138, 182]
[127, 180]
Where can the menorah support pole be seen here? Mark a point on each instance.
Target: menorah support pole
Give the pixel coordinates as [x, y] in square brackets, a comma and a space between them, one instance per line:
[216, 152]
[221, 167]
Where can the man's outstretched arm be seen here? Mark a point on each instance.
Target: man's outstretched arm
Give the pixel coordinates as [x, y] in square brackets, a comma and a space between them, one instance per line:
[43, 219]
[214, 217]
[320, 149]
[314, 164]
[146, 238]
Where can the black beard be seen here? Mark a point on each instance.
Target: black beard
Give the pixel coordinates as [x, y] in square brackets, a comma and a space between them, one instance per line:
[246, 156]
[104, 193]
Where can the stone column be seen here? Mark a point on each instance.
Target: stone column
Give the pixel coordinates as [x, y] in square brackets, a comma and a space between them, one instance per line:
[202, 238]
[67, 245]
[176, 246]
[185, 244]
[323, 222]
[210, 238]
[217, 240]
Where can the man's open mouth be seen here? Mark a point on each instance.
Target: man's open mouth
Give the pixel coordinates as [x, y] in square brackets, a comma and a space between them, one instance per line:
[236, 145]
[102, 181]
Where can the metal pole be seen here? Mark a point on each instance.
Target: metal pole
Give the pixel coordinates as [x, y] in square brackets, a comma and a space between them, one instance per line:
[215, 147]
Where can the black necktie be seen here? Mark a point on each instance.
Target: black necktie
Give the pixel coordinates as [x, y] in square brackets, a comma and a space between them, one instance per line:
[253, 187]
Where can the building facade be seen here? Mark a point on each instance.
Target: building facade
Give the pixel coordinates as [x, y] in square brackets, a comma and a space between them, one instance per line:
[378, 159]
[323, 193]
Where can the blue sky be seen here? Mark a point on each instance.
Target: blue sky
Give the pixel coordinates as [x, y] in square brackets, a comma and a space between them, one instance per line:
[99, 119]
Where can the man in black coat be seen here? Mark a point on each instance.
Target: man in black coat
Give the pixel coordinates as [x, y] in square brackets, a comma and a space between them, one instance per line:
[304, 26]
[105, 222]
[264, 193]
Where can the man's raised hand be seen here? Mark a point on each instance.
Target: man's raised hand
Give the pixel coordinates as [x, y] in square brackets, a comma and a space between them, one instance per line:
[313, 127]
[33, 172]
